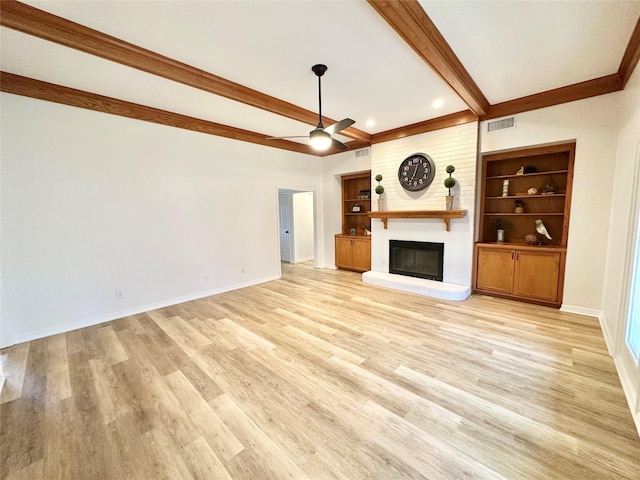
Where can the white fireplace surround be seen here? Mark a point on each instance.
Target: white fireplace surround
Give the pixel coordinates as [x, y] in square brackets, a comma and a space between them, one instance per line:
[458, 258]
[451, 146]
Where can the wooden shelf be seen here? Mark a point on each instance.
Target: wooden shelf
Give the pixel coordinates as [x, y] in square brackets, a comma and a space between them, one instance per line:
[530, 214]
[445, 215]
[551, 172]
[511, 197]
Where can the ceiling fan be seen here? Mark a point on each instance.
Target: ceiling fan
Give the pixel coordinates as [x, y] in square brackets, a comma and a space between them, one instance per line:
[321, 138]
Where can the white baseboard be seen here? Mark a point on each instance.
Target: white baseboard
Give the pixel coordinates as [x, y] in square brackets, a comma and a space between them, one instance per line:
[629, 389]
[88, 322]
[303, 259]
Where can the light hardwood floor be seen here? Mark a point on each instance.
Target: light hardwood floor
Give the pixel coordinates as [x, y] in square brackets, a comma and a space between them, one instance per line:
[319, 376]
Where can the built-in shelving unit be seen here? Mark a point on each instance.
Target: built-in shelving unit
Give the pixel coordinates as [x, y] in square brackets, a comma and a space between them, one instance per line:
[548, 167]
[353, 245]
[514, 268]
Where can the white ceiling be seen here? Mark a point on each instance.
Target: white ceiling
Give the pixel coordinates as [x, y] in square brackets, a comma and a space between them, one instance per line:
[510, 48]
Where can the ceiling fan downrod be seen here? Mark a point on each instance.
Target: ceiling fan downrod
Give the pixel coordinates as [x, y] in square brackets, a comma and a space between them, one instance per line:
[319, 70]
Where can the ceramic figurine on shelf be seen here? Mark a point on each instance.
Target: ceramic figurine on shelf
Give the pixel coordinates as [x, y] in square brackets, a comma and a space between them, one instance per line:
[532, 239]
[541, 229]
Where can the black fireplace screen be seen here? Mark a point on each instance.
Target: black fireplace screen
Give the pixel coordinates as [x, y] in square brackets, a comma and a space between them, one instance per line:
[416, 259]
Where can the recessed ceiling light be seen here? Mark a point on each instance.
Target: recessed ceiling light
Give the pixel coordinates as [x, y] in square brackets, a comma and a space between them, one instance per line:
[437, 103]
[371, 122]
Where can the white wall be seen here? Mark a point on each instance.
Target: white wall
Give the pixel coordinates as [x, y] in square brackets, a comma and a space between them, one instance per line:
[451, 146]
[303, 240]
[620, 248]
[594, 124]
[93, 203]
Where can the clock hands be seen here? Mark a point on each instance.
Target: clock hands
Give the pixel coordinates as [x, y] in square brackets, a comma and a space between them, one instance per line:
[414, 173]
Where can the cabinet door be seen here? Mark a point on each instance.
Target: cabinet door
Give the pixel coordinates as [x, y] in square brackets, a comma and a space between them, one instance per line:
[343, 252]
[537, 275]
[361, 254]
[495, 270]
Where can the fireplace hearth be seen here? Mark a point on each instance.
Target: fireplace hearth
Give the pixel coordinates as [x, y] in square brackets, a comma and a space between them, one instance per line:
[416, 259]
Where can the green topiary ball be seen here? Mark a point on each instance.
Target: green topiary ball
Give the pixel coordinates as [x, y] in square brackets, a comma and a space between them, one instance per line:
[450, 169]
[449, 182]
[379, 189]
[378, 177]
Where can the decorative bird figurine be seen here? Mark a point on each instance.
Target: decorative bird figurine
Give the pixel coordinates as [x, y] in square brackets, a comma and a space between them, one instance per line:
[541, 229]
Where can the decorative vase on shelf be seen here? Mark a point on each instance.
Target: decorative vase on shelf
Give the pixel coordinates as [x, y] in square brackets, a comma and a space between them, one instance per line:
[500, 234]
[449, 202]
[380, 204]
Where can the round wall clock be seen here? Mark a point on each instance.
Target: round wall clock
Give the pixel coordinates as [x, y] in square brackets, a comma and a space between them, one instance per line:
[416, 172]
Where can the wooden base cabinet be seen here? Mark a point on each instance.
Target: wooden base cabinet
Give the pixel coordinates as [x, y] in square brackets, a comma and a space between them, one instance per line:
[534, 274]
[353, 253]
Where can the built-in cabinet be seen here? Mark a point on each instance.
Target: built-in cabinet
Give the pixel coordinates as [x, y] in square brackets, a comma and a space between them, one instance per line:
[353, 253]
[519, 188]
[524, 272]
[353, 244]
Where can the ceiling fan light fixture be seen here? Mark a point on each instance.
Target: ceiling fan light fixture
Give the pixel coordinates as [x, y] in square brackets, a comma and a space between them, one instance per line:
[319, 139]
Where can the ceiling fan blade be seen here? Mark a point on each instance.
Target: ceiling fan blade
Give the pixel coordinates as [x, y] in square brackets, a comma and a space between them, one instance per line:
[338, 144]
[339, 126]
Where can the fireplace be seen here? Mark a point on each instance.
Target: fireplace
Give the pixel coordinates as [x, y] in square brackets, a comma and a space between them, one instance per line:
[416, 259]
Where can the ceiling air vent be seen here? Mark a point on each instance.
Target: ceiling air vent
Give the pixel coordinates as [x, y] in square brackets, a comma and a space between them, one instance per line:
[501, 124]
[362, 153]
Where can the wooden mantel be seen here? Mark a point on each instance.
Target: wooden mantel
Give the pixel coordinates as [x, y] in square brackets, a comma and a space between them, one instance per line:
[445, 215]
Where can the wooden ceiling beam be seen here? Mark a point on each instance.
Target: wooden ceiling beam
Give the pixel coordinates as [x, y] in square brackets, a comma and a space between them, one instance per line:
[577, 91]
[411, 22]
[28, 87]
[36, 22]
[631, 56]
[439, 123]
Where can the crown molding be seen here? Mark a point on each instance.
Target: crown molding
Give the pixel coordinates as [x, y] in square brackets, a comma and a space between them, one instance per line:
[439, 123]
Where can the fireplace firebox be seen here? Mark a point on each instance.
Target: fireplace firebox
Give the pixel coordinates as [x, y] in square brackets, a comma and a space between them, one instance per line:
[416, 259]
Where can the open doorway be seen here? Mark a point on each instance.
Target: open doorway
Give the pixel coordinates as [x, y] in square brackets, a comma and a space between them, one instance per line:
[296, 216]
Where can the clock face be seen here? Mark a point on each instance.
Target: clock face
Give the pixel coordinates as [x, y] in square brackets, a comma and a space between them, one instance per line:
[416, 172]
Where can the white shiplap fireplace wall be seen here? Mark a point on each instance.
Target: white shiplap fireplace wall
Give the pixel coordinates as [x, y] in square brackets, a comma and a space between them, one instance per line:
[451, 146]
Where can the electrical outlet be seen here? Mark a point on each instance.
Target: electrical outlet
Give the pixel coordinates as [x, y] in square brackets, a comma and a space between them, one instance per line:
[119, 294]
[207, 278]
